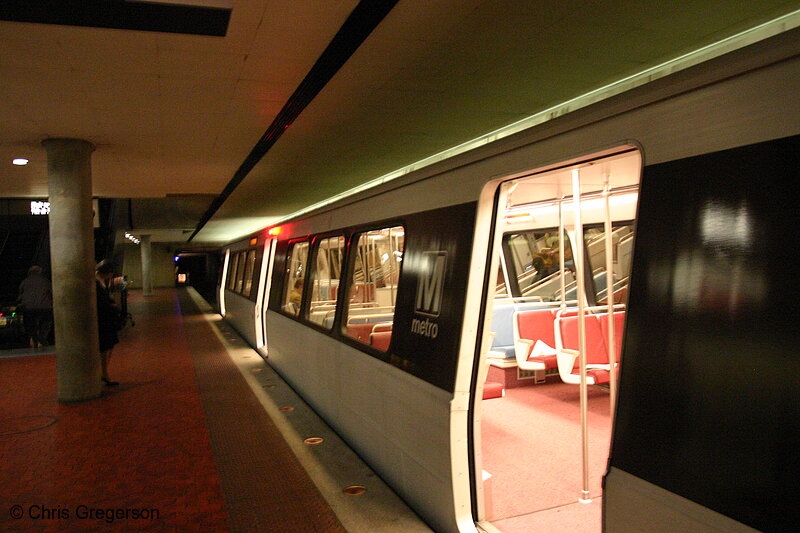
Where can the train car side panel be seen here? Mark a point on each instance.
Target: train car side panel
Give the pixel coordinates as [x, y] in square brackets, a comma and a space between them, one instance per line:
[239, 312]
[398, 423]
[393, 408]
[430, 303]
[710, 380]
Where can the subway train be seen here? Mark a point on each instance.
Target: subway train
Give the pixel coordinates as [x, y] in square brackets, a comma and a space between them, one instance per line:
[593, 318]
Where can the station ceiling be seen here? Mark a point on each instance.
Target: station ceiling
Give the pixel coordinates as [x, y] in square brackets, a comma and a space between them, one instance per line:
[175, 115]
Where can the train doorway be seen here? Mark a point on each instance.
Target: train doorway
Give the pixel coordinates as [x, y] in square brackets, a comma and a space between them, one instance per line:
[554, 321]
[262, 300]
[223, 282]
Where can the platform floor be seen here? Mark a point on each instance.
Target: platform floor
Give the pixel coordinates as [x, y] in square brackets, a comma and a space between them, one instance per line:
[201, 435]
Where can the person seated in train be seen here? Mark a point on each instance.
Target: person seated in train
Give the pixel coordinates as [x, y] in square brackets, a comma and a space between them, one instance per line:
[545, 263]
[296, 295]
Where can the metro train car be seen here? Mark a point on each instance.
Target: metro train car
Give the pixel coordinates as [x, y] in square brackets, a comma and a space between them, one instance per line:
[593, 318]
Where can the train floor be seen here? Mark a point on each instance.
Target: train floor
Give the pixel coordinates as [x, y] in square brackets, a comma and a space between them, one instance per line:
[200, 435]
[532, 449]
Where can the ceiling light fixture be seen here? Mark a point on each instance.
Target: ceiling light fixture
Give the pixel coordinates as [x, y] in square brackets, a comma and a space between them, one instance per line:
[20, 161]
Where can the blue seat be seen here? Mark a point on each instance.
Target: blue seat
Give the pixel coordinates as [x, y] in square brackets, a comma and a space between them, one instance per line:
[503, 325]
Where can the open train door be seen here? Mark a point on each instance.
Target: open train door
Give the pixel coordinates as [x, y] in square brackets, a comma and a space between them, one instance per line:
[545, 385]
[264, 284]
[223, 282]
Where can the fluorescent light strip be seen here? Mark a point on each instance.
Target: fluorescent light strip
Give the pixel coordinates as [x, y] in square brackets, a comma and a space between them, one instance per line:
[740, 40]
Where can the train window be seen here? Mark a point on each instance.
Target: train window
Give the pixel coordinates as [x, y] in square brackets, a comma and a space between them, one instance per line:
[294, 282]
[621, 248]
[232, 273]
[373, 286]
[241, 258]
[535, 261]
[326, 272]
[250, 263]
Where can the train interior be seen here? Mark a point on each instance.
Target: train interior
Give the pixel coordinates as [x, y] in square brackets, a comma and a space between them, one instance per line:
[373, 284]
[547, 377]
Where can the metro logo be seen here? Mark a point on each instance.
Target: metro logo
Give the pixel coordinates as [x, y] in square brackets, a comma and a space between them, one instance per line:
[431, 281]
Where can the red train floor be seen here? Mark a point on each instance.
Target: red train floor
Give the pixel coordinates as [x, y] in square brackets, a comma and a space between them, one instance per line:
[532, 447]
[180, 445]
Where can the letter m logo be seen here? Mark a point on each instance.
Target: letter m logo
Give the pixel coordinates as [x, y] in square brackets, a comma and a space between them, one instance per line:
[431, 281]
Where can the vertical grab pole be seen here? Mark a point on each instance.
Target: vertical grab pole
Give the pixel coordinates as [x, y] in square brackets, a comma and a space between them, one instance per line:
[371, 268]
[576, 197]
[561, 244]
[340, 258]
[392, 260]
[612, 344]
[329, 259]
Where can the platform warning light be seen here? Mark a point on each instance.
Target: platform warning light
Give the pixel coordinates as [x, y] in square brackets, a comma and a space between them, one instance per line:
[177, 258]
[275, 231]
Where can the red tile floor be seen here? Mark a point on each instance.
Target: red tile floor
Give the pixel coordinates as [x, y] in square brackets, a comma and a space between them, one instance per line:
[181, 441]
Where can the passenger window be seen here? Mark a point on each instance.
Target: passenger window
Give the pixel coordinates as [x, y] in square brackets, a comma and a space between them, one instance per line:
[621, 248]
[240, 271]
[326, 273]
[536, 261]
[373, 286]
[294, 281]
[250, 263]
[232, 274]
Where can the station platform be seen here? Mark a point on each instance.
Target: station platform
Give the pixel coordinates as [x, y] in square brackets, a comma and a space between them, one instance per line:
[200, 435]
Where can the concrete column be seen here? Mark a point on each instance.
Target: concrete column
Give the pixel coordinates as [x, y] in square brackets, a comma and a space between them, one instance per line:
[72, 262]
[147, 274]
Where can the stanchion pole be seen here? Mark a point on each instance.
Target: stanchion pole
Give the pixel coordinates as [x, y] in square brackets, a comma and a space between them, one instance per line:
[576, 202]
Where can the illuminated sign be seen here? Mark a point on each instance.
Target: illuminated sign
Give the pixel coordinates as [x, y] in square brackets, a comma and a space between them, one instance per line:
[275, 231]
[40, 208]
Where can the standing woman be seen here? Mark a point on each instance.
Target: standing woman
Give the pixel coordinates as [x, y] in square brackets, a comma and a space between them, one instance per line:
[107, 316]
[36, 302]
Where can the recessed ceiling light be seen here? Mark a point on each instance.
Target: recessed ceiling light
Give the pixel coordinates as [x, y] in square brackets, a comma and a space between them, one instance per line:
[21, 161]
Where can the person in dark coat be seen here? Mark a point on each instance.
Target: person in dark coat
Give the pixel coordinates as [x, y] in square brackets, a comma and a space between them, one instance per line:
[107, 317]
[36, 300]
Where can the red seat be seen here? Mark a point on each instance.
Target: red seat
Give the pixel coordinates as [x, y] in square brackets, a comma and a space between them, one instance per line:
[381, 340]
[532, 326]
[537, 324]
[597, 360]
[360, 332]
[362, 293]
[619, 328]
[599, 375]
[595, 342]
[382, 326]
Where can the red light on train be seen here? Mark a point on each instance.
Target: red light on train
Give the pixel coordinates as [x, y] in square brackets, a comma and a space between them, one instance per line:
[275, 231]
